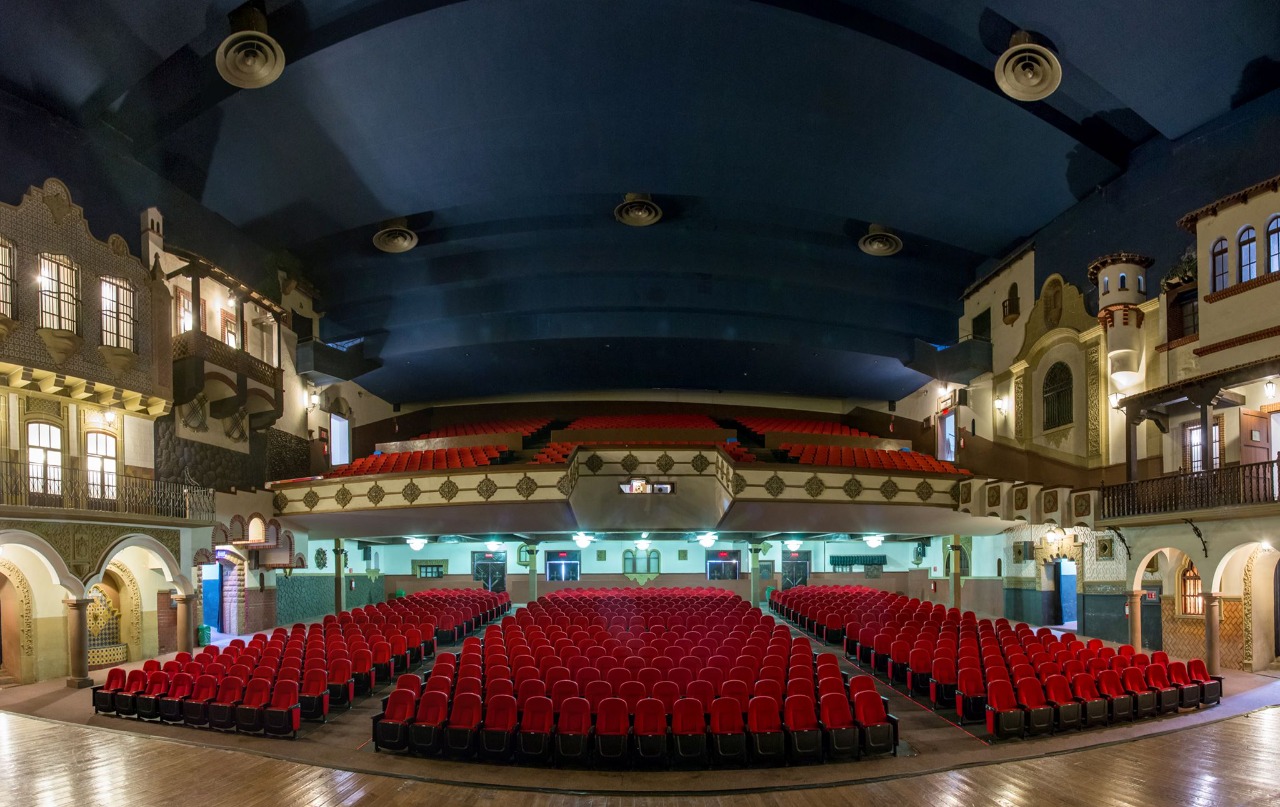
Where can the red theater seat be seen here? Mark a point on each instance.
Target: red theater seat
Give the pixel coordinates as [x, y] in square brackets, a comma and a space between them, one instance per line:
[283, 716]
[391, 727]
[1093, 706]
[689, 732]
[1005, 718]
[574, 732]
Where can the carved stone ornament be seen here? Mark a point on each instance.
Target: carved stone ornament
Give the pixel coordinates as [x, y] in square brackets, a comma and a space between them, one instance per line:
[924, 491]
[487, 488]
[630, 463]
[774, 486]
[448, 489]
[889, 489]
[410, 492]
[526, 487]
[665, 463]
[281, 501]
[853, 488]
[814, 486]
[61, 344]
[119, 360]
[564, 485]
[376, 494]
[739, 484]
[594, 463]
[311, 499]
[700, 463]
[343, 496]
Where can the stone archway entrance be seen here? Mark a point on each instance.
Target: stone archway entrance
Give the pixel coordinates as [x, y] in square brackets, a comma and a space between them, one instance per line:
[17, 626]
[231, 589]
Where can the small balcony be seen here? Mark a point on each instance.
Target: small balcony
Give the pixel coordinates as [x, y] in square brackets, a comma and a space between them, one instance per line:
[1253, 484]
[194, 344]
[1011, 310]
[61, 489]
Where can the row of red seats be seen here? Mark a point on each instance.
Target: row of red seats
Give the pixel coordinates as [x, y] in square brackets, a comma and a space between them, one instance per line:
[525, 426]
[408, 461]
[849, 457]
[762, 426]
[557, 453]
[643, 422]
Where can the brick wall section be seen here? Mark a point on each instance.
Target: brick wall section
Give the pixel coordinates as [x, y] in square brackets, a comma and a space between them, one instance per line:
[1184, 638]
[166, 624]
[259, 609]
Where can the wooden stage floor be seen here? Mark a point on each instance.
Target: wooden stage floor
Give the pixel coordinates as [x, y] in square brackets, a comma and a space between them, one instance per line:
[50, 764]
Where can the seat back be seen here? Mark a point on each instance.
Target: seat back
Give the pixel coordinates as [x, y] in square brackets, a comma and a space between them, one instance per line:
[340, 671]
[970, 682]
[400, 706]
[230, 690]
[1083, 686]
[688, 717]
[1157, 675]
[943, 671]
[613, 718]
[575, 716]
[763, 714]
[1057, 689]
[500, 713]
[1198, 671]
[1133, 680]
[157, 683]
[1000, 696]
[1109, 684]
[136, 681]
[411, 682]
[257, 692]
[726, 716]
[433, 709]
[1178, 673]
[206, 688]
[361, 660]
[867, 706]
[466, 711]
[835, 710]
[181, 685]
[315, 682]
[800, 713]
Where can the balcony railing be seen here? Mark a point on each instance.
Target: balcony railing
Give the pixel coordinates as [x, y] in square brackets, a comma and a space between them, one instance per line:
[42, 486]
[195, 343]
[1256, 483]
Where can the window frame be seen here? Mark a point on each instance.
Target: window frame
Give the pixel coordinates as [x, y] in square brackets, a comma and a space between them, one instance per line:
[1190, 445]
[230, 329]
[641, 561]
[1190, 591]
[7, 253]
[102, 480]
[1218, 264]
[1180, 324]
[45, 483]
[430, 571]
[1247, 254]
[182, 300]
[120, 323]
[59, 292]
[1273, 245]
[1058, 401]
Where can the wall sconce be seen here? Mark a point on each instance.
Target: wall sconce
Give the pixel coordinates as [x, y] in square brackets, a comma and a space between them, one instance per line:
[313, 399]
[1002, 405]
[1269, 389]
[1114, 398]
[109, 417]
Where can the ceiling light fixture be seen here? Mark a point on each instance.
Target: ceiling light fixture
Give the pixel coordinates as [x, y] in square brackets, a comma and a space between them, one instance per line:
[416, 544]
[249, 58]
[1027, 71]
[582, 540]
[793, 545]
[644, 535]
[643, 545]
[873, 541]
[707, 539]
[493, 546]
[879, 242]
[638, 210]
[394, 236]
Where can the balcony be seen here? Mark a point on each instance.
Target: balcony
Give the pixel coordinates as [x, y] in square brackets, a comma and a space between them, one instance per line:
[61, 489]
[1011, 312]
[194, 344]
[1253, 484]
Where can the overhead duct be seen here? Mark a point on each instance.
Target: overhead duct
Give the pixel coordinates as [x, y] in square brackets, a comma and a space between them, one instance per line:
[1028, 71]
[249, 58]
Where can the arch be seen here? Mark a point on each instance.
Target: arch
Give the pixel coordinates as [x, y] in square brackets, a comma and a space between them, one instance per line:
[256, 532]
[1106, 284]
[1273, 245]
[1236, 554]
[1247, 253]
[238, 530]
[1218, 265]
[159, 554]
[221, 535]
[1123, 285]
[1142, 284]
[50, 560]
[25, 667]
[130, 616]
[1057, 391]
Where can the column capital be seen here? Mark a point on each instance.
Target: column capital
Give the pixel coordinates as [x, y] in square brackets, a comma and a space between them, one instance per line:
[1210, 596]
[180, 597]
[754, 549]
[75, 603]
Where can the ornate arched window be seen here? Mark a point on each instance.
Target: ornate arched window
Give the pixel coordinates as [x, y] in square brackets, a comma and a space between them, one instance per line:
[1189, 591]
[1248, 243]
[100, 464]
[1057, 396]
[1218, 264]
[1273, 245]
[641, 561]
[44, 458]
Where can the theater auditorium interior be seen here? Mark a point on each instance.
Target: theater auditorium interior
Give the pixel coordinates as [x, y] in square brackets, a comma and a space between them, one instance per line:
[787, 402]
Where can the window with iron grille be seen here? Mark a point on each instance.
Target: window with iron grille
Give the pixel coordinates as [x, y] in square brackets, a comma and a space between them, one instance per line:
[1193, 442]
[6, 278]
[1189, 591]
[1057, 396]
[1184, 315]
[118, 318]
[59, 293]
[100, 464]
[1248, 242]
[44, 458]
[430, 570]
[1273, 245]
[1218, 261]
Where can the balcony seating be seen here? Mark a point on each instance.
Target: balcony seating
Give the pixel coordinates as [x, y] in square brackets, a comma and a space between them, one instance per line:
[870, 458]
[527, 427]
[1166, 693]
[763, 426]
[642, 422]
[1210, 685]
[559, 453]
[441, 459]
[391, 727]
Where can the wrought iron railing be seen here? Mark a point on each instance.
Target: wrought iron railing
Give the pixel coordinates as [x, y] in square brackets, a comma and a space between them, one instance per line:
[1255, 483]
[195, 343]
[51, 487]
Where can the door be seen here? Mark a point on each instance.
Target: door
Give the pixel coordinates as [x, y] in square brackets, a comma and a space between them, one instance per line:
[1255, 437]
[795, 568]
[1065, 580]
[490, 568]
[1275, 600]
[947, 436]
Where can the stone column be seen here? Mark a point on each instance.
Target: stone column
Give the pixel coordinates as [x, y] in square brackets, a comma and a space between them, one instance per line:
[339, 561]
[78, 643]
[1135, 619]
[955, 572]
[533, 575]
[756, 592]
[186, 641]
[1212, 619]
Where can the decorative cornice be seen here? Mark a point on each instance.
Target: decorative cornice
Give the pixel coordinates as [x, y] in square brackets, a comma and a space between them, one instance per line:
[1177, 343]
[1188, 222]
[1237, 341]
[1241, 288]
[1100, 263]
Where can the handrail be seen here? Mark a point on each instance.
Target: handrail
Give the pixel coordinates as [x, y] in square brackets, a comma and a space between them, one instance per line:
[198, 343]
[56, 488]
[1255, 483]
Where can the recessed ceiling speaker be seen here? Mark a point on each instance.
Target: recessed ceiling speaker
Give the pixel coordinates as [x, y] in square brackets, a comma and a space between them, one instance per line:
[249, 58]
[1027, 71]
[395, 237]
[638, 210]
[879, 242]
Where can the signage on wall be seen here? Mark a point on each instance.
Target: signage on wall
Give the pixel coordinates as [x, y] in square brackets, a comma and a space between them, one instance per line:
[641, 485]
[1151, 596]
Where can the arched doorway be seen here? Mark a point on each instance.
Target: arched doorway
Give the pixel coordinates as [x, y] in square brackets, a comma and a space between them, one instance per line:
[231, 583]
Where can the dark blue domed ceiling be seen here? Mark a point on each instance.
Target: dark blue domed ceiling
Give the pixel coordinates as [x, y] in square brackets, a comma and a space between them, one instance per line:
[772, 133]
